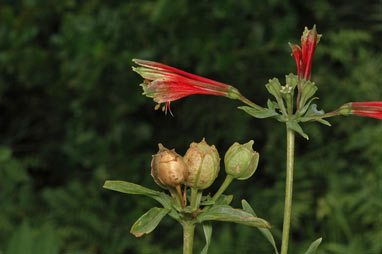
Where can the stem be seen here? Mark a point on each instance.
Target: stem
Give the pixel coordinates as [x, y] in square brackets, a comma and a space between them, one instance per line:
[299, 92]
[288, 191]
[179, 191]
[223, 187]
[194, 198]
[175, 195]
[188, 237]
[250, 103]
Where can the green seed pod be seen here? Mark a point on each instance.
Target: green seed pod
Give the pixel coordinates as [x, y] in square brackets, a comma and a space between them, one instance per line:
[168, 168]
[241, 160]
[203, 163]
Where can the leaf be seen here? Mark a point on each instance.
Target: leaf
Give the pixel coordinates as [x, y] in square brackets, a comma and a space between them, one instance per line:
[307, 105]
[132, 188]
[222, 200]
[207, 229]
[227, 213]
[259, 113]
[313, 247]
[273, 86]
[313, 111]
[291, 79]
[297, 128]
[323, 121]
[149, 221]
[265, 231]
[272, 104]
[309, 89]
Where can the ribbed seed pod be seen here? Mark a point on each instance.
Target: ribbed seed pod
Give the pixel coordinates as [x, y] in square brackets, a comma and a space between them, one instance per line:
[168, 168]
[241, 160]
[203, 163]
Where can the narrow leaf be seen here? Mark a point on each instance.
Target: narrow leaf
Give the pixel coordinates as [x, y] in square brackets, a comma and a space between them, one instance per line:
[265, 231]
[207, 229]
[259, 113]
[272, 104]
[132, 188]
[227, 213]
[297, 128]
[222, 200]
[273, 86]
[307, 105]
[323, 121]
[313, 111]
[291, 79]
[313, 247]
[149, 221]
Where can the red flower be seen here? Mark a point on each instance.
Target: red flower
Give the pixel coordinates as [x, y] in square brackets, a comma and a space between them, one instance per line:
[304, 55]
[165, 84]
[370, 109]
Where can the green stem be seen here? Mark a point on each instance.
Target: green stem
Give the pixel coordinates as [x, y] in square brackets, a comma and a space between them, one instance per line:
[250, 103]
[288, 190]
[188, 237]
[223, 187]
[194, 198]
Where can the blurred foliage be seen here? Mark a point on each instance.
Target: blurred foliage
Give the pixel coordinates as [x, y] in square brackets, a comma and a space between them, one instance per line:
[72, 116]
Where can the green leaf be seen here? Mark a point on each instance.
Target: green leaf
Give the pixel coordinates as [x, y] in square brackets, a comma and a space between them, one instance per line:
[272, 104]
[297, 128]
[207, 229]
[291, 79]
[222, 200]
[309, 89]
[132, 188]
[227, 213]
[313, 111]
[273, 86]
[307, 105]
[149, 221]
[265, 231]
[259, 113]
[313, 247]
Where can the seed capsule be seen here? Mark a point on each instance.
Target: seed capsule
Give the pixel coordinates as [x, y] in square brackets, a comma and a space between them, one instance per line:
[168, 168]
[241, 160]
[203, 163]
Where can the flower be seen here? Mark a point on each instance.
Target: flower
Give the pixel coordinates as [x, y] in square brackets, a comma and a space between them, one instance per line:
[369, 109]
[304, 55]
[165, 84]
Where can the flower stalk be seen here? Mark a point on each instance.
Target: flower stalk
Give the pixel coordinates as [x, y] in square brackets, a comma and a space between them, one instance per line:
[188, 236]
[288, 190]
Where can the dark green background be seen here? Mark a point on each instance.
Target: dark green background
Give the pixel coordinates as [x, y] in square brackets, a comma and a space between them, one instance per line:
[72, 115]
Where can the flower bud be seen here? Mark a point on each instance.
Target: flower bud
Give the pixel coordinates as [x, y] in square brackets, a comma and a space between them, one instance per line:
[241, 160]
[203, 163]
[168, 168]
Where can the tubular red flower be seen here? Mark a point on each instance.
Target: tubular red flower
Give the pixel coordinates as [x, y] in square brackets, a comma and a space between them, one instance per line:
[369, 109]
[304, 55]
[165, 84]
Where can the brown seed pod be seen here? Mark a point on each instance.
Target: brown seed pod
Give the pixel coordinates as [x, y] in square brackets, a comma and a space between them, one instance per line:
[168, 168]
